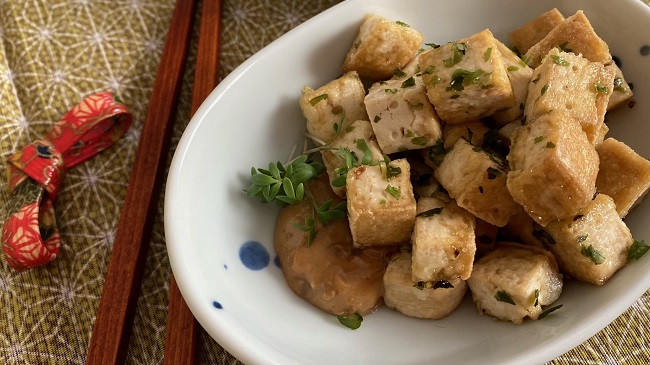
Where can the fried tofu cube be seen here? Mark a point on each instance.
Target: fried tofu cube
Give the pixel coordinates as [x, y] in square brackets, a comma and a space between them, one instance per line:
[467, 79]
[534, 31]
[443, 241]
[592, 245]
[401, 114]
[571, 83]
[432, 300]
[624, 175]
[381, 209]
[325, 106]
[519, 75]
[477, 180]
[621, 90]
[359, 139]
[525, 229]
[514, 281]
[381, 46]
[553, 168]
[575, 34]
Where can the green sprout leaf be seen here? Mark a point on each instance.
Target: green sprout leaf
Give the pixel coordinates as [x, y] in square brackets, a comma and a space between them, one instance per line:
[503, 296]
[548, 311]
[351, 321]
[638, 249]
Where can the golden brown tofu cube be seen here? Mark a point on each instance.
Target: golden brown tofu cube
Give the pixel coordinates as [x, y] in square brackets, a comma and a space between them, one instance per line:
[401, 114]
[570, 83]
[325, 106]
[624, 175]
[534, 31]
[432, 300]
[514, 281]
[357, 138]
[621, 90]
[380, 47]
[575, 34]
[473, 131]
[553, 168]
[443, 241]
[519, 75]
[592, 245]
[477, 180]
[525, 229]
[381, 209]
[467, 79]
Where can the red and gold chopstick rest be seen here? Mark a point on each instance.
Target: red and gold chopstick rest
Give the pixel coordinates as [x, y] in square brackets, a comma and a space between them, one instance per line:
[30, 235]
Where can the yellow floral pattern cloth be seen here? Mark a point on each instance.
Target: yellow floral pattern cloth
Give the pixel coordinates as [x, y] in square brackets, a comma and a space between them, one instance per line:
[54, 53]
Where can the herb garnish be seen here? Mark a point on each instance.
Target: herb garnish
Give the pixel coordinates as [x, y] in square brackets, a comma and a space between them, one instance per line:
[559, 60]
[600, 89]
[458, 50]
[395, 192]
[487, 54]
[461, 78]
[538, 139]
[437, 152]
[493, 173]
[398, 73]
[618, 85]
[315, 100]
[410, 82]
[536, 296]
[550, 145]
[544, 89]
[513, 68]
[351, 321]
[420, 140]
[563, 47]
[430, 212]
[377, 119]
[503, 296]
[402, 24]
[638, 249]
[432, 45]
[548, 311]
[594, 255]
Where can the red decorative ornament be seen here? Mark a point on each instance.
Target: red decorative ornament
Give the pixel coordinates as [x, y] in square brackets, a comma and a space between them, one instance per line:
[30, 235]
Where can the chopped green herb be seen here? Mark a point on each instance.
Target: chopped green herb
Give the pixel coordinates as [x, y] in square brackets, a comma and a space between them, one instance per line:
[435, 80]
[430, 212]
[402, 24]
[458, 50]
[503, 296]
[487, 54]
[443, 284]
[420, 140]
[349, 129]
[437, 152]
[398, 73]
[432, 45]
[391, 91]
[420, 285]
[513, 68]
[550, 145]
[539, 139]
[559, 60]
[377, 119]
[429, 70]
[563, 47]
[536, 296]
[600, 89]
[337, 109]
[454, 96]
[410, 82]
[351, 321]
[395, 192]
[594, 255]
[544, 89]
[461, 78]
[383, 201]
[548, 311]
[417, 106]
[317, 99]
[357, 44]
[618, 85]
[526, 60]
[480, 189]
[493, 173]
[539, 76]
[638, 249]
[582, 238]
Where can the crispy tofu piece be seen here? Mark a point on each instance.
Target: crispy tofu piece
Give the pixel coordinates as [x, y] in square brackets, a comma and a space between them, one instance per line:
[401, 114]
[534, 31]
[621, 90]
[467, 79]
[325, 106]
[519, 75]
[381, 210]
[477, 180]
[514, 281]
[507, 130]
[592, 245]
[443, 241]
[350, 138]
[572, 84]
[553, 168]
[432, 300]
[624, 175]
[380, 47]
[576, 34]
[473, 132]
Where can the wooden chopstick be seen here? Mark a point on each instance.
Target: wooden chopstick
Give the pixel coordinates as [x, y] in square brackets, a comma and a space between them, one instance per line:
[182, 328]
[111, 332]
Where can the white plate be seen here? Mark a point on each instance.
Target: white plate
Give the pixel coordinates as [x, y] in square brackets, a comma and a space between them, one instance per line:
[253, 118]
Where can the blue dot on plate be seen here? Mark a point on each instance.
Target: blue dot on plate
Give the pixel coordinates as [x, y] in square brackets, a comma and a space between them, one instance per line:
[254, 255]
[276, 261]
[217, 305]
[644, 50]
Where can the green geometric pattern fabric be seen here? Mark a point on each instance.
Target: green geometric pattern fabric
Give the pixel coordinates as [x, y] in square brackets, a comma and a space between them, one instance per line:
[55, 52]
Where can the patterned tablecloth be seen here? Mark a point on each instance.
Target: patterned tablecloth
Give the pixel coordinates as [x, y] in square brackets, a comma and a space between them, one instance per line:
[55, 52]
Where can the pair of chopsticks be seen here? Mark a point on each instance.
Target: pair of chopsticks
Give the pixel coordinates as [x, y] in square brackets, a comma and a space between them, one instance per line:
[112, 329]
